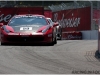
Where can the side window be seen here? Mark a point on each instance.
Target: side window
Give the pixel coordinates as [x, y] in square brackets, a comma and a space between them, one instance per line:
[51, 21]
[48, 22]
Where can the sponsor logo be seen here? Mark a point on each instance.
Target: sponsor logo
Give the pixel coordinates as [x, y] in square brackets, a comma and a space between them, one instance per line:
[67, 22]
[25, 28]
[73, 37]
[24, 34]
[13, 33]
[5, 18]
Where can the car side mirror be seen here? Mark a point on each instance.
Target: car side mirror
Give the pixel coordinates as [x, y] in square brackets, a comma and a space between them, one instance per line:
[56, 24]
[1, 24]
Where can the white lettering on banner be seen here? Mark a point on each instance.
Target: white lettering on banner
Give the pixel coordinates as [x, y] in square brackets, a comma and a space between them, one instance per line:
[55, 16]
[6, 18]
[1, 17]
[70, 22]
[73, 37]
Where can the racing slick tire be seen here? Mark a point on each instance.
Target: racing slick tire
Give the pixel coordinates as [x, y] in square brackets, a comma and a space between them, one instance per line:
[60, 36]
[54, 40]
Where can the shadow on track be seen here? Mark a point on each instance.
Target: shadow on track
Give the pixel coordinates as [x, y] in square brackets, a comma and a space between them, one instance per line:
[27, 44]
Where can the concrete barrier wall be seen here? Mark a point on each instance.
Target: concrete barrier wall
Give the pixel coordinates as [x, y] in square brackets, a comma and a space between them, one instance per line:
[90, 35]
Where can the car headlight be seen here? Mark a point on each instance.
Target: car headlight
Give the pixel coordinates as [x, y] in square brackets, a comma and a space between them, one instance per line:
[47, 28]
[57, 27]
[6, 30]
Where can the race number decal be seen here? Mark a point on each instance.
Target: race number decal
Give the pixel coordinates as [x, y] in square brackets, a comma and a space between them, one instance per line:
[25, 28]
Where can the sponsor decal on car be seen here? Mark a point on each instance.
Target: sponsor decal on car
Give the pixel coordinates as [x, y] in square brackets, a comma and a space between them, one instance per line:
[25, 28]
[34, 33]
[25, 34]
[13, 33]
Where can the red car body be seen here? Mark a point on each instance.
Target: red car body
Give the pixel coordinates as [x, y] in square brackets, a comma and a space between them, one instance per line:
[17, 32]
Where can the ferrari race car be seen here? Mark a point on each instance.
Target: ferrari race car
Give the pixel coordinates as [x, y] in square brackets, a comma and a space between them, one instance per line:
[58, 29]
[28, 28]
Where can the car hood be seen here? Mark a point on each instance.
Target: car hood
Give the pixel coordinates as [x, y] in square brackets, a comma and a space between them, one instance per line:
[23, 28]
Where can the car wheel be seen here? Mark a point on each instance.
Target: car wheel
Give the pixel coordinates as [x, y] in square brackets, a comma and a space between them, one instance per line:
[55, 41]
[60, 36]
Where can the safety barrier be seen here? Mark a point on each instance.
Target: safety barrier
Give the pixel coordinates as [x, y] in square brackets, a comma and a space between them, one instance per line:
[72, 35]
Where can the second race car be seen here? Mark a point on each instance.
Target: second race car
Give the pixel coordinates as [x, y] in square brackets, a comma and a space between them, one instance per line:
[58, 29]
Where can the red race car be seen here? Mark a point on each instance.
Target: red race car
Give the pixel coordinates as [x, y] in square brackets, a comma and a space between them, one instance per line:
[28, 28]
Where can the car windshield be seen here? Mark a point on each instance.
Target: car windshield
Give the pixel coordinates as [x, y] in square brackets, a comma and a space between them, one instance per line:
[27, 20]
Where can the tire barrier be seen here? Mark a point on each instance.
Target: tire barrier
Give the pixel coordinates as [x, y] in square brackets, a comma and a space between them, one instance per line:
[73, 35]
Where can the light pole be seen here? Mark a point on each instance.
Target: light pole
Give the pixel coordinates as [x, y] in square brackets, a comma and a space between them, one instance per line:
[91, 14]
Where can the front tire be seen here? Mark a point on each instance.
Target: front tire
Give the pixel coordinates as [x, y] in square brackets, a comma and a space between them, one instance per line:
[54, 40]
[60, 35]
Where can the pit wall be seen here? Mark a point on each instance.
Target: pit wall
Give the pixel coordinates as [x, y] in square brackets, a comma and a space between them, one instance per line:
[90, 35]
[86, 35]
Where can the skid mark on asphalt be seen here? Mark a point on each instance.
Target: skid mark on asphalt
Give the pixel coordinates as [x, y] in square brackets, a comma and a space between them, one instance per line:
[32, 58]
[35, 57]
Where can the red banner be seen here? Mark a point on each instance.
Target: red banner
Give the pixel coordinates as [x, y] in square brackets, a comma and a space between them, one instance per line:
[74, 19]
[96, 15]
[48, 13]
[7, 13]
[73, 35]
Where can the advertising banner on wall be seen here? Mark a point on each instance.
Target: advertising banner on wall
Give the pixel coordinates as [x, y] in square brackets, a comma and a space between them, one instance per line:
[74, 19]
[48, 13]
[7, 13]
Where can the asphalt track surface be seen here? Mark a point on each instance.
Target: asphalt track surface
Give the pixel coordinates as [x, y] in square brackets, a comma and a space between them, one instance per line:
[63, 58]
